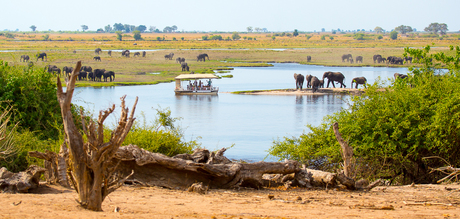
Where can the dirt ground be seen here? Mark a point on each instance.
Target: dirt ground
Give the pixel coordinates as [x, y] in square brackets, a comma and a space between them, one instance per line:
[417, 201]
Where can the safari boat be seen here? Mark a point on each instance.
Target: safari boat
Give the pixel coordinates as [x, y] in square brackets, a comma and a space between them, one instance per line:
[191, 84]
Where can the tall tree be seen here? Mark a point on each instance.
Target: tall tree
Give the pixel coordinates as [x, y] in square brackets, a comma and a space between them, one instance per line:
[235, 36]
[378, 29]
[394, 35]
[296, 33]
[174, 28]
[137, 35]
[404, 29]
[84, 27]
[437, 27]
[33, 27]
[141, 28]
[108, 28]
[249, 29]
[118, 27]
[119, 36]
[152, 28]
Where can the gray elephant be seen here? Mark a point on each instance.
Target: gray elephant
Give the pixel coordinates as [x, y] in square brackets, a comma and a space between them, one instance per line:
[67, 70]
[299, 78]
[86, 68]
[202, 57]
[334, 76]
[24, 58]
[315, 84]
[109, 74]
[347, 57]
[401, 76]
[97, 58]
[109, 52]
[376, 57]
[143, 54]
[308, 80]
[97, 51]
[125, 53]
[42, 56]
[358, 80]
[359, 59]
[184, 66]
[169, 56]
[308, 58]
[408, 59]
[137, 54]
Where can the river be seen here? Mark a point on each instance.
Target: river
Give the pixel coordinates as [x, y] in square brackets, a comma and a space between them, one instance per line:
[250, 122]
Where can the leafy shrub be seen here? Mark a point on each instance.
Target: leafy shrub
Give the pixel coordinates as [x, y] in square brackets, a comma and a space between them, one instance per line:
[323, 37]
[393, 35]
[380, 37]
[358, 36]
[205, 37]
[32, 94]
[216, 37]
[163, 136]
[393, 130]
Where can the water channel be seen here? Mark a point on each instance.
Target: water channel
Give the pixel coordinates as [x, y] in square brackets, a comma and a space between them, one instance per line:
[250, 122]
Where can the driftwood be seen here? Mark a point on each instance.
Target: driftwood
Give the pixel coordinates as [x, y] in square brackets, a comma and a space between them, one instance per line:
[50, 163]
[22, 181]
[156, 169]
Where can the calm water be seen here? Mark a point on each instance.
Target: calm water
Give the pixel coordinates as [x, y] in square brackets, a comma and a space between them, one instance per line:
[251, 122]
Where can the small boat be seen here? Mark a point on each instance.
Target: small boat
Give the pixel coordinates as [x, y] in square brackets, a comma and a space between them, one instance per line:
[196, 84]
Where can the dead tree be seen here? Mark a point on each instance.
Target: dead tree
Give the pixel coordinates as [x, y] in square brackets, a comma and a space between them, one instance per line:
[88, 164]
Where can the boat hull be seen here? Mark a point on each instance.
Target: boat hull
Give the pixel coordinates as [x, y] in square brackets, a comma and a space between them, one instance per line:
[196, 92]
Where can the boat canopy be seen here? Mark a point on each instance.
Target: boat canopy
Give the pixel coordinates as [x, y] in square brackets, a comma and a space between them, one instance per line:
[196, 76]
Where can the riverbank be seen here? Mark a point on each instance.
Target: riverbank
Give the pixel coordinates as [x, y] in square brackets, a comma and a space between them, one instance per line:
[416, 201]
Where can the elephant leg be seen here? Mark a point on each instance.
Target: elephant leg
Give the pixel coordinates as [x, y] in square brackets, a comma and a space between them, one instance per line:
[333, 84]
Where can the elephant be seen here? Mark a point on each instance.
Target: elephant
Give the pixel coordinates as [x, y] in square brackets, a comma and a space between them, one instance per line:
[67, 70]
[347, 57]
[169, 56]
[50, 68]
[351, 60]
[109, 52]
[397, 75]
[184, 66]
[202, 57]
[24, 58]
[98, 73]
[125, 53]
[315, 83]
[143, 54]
[299, 78]
[321, 83]
[308, 80]
[179, 60]
[41, 56]
[55, 70]
[75, 51]
[97, 58]
[97, 51]
[86, 68]
[91, 76]
[109, 74]
[308, 58]
[408, 59]
[137, 54]
[334, 76]
[358, 80]
[394, 60]
[82, 75]
[380, 60]
[375, 57]
[359, 59]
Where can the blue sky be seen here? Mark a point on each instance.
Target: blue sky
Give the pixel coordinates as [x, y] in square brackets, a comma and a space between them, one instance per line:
[232, 15]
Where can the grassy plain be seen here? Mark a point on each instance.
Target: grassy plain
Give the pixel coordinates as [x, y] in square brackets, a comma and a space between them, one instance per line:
[259, 51]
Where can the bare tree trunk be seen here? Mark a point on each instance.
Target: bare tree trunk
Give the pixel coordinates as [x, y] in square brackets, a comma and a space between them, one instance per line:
[347, 153]
[88, 163]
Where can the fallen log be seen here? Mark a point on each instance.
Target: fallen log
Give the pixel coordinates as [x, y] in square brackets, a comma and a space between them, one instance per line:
[22, 181]
[156, 169]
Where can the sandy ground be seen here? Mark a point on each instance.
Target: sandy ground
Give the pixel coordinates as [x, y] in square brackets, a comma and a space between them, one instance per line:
[307, 91]
[419, 201]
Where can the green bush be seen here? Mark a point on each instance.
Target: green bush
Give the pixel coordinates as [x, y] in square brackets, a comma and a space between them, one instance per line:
[162, 136]
[393, 130]
[32, 94]
[393, 35]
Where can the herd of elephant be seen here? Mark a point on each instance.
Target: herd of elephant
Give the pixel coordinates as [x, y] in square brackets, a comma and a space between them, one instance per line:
[334, 77]
[378, 59]
[183, 64]
[314, 82]
[86, 73]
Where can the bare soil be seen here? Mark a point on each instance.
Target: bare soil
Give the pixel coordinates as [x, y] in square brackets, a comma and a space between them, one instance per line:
[416, 201]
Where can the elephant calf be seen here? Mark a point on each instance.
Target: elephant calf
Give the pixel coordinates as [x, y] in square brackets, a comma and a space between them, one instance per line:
[315, 84]
[358, 80]
[299, 78]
